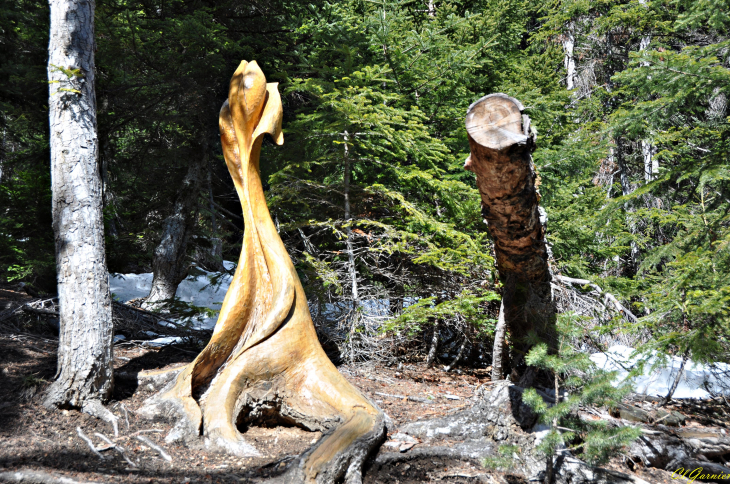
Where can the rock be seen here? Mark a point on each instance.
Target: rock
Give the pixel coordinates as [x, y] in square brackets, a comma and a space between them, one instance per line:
[631, 413]
[570, 470]
[660, 450]
[498, 417]
[671, 419]
[496, 412]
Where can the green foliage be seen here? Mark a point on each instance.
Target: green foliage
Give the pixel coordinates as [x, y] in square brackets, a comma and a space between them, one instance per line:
[377, 90]
[466, 305]
[26, 237]
[586, 385]
[32, 380]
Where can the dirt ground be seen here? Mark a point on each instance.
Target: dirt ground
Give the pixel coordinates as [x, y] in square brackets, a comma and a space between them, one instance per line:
[36, 439]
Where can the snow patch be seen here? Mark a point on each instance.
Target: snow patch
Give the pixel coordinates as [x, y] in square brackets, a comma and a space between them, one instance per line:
[659, 374]
[197, 290]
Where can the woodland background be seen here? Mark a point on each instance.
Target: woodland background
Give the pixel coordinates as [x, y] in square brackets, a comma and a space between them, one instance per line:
[629, 100]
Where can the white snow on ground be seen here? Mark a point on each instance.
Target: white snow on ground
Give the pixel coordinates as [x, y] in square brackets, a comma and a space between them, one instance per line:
[199, 291]
[196, 290]
[658, 376]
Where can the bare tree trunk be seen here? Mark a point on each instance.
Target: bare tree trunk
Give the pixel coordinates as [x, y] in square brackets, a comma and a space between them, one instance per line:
[569, 58]
[648, 152]
[499, 349]
[215, 258]
[169, 265]
[264, 360]
[675, 384]
[350, 246]
[501, 143]
[434, 344]
[85, 375]
[718, 105]
[626, 189]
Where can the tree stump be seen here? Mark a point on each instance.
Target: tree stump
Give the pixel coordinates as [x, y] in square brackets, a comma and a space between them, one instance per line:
[501, 143]
[264, 362]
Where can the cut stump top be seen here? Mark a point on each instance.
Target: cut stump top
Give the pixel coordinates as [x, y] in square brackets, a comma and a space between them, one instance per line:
[495, 121]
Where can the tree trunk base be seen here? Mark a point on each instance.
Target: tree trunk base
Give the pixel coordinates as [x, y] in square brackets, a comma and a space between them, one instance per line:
[352, 432]
[57, 397]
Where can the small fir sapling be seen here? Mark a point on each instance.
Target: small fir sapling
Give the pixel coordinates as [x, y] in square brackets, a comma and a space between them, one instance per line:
[578, 383]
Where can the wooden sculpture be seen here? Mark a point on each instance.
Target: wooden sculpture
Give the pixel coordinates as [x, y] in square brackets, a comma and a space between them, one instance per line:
[264, 361]
[501, 143]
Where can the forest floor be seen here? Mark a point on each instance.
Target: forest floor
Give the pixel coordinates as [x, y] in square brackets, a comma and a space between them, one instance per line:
[36, 439]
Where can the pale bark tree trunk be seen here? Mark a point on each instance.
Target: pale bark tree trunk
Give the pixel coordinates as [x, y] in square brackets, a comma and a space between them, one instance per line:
[434, 344]
[500, 346]
[501, 143]
[648, 152]
[350, 249]
[85, 373]
[569, 58]
[718, 105]
[169, 265]
[651, 164]
[352, 269]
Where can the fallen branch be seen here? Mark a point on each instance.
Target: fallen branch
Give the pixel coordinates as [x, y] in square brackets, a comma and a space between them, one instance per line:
[37, 477]
[154, 446]
[43, 312]
[401, 397]
[116, 447]
[89, 442]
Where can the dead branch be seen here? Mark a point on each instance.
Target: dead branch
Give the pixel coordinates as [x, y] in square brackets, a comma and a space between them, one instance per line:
[401, 397]
[155, 447]
[585, 282]
[116, 447]
[88, 442]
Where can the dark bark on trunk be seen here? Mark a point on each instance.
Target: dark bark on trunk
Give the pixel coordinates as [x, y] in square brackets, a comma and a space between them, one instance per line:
[626, 189]
[501, 144]
[212, 259]
[169, 265]
[85, 376]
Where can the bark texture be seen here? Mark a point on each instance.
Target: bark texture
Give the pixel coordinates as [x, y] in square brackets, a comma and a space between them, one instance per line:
[264, 362]
[501, 143]
[169, 265]
[84, 376]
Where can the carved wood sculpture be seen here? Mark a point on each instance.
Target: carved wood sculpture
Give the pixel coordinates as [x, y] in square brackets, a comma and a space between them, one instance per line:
[264, 361]
[501, 143]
